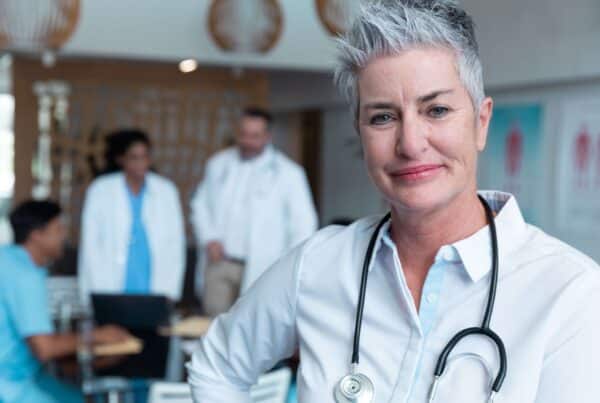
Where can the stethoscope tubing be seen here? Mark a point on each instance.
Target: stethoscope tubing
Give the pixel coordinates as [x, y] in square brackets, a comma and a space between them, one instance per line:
[484, 329]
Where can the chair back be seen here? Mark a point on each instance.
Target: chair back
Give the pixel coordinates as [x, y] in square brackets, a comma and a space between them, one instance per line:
[271, 387]
[170, 392]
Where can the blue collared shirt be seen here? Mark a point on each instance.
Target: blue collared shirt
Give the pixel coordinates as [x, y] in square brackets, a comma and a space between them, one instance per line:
[545, 312]
[138, 270]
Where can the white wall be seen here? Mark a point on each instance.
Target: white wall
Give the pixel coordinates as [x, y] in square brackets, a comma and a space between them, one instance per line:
[522, 41]
[173, 30]
[292, 90]
[527, 41]
[5, 74]
[346, 191]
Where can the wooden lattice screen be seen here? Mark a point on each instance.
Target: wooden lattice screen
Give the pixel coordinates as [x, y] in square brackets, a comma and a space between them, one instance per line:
[188, 117]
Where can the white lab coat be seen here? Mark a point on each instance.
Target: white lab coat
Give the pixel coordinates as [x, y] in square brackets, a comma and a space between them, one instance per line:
[280, 202]
[106, 230]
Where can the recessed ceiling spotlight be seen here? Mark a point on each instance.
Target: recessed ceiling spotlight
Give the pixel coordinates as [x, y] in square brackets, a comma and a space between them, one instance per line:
[188, 65]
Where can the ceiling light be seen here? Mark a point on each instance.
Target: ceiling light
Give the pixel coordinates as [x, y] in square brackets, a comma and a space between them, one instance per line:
[188, 65]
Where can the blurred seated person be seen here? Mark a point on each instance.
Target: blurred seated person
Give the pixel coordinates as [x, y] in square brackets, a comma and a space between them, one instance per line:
[27, 338]
[132, 235]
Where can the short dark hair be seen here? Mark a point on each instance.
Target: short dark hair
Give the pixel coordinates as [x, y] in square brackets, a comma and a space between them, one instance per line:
[117, 144]
[30, 216]
[257, 112]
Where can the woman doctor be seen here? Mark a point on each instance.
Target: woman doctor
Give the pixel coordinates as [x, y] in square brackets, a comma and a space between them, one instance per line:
[132, 236]
[465, 301]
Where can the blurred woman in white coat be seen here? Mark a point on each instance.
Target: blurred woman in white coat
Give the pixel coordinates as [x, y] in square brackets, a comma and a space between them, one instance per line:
[132, 235]
[253, 205]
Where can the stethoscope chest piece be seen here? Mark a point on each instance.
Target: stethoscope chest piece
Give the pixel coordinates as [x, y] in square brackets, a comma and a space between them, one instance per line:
[355, 388]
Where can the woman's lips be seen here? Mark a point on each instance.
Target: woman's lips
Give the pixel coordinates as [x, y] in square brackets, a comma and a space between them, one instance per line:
[416, 173]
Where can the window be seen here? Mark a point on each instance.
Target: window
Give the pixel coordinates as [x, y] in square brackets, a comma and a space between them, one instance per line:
[7, 172]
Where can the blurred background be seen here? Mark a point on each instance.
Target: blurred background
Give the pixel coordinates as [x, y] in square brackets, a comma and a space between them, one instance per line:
[73, 71]
[117, 63]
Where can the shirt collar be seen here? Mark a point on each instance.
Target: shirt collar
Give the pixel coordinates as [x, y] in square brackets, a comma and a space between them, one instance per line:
[261, 160]
[475, 252]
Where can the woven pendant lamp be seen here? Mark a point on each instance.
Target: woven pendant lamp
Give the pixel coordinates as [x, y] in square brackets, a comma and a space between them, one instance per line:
[336, 15]
[245, 26]
[37, 25]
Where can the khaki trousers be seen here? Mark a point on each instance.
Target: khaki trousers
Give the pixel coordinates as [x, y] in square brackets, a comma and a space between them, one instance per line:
[222, 282]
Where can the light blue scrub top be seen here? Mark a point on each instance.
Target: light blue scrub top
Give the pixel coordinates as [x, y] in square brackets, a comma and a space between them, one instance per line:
[138, 270]
[24, 313]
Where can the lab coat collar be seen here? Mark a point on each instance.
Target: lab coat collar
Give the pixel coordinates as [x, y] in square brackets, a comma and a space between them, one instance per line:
[475, 252]
[147, 187]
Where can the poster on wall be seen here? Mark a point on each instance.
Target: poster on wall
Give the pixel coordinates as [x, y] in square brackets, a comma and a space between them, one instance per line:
[512, 160]
[579, 166]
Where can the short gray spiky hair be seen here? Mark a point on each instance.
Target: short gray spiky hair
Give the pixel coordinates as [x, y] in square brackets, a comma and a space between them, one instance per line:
[387, 27]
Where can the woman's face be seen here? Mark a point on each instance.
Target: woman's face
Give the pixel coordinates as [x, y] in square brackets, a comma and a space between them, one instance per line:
[136, 161]
[420, 132]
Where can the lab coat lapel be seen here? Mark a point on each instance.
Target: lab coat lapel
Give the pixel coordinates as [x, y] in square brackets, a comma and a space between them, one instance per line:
[263, 178]
[228, 183]
[263, 182]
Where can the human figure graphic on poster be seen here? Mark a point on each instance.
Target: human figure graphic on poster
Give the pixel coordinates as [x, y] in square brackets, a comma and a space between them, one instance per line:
[513, 157]
[582, 157]
[578, 190]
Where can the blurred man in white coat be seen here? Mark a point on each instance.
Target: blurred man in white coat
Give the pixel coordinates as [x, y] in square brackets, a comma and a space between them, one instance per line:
[253, 204]
[132, 235]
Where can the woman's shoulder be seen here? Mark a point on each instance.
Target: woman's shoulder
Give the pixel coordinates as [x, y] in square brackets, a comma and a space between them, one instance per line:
[337, 237]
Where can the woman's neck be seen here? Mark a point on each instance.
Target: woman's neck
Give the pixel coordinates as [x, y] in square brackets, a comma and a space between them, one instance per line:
[135, 185]
[419, 236]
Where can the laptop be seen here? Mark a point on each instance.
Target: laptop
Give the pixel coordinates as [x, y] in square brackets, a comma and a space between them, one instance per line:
[141, 315]
[138, 312]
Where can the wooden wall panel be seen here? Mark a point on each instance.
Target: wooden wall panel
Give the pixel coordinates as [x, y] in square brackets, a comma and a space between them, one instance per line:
[188, 117]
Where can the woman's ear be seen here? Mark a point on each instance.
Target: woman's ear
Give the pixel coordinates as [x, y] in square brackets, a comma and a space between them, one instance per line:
[483, 122]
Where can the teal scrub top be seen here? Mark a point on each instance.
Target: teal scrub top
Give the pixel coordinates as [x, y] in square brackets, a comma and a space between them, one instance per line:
[24, 313]
[138, 270]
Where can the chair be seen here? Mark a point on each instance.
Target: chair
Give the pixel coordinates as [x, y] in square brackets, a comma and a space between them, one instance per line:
[270, 388]
[170, 392]
[111, 389]
[64, 300]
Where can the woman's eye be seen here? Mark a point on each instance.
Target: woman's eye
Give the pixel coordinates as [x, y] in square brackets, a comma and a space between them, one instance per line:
[380, 119]
[438, 111]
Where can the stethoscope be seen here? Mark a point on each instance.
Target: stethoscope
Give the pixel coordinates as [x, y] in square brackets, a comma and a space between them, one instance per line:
[358, 388]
